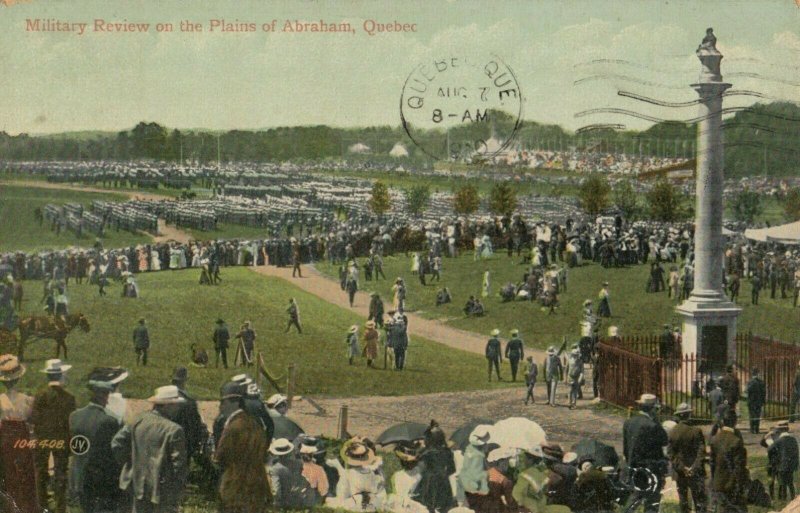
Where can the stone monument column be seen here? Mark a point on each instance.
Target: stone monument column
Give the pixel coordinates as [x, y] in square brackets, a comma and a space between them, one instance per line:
[709, 325]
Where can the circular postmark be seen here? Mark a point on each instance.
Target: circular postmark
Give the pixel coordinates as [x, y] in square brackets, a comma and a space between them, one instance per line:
[462, 108]
[79, 445]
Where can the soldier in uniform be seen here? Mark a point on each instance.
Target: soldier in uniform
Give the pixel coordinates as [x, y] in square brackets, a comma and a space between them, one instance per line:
[687, 449]
[294, 316]
[141, 342]
[531, 374]
[221, 338]
[493, 354]
[643, 441]
[52, 407]
[515, 351]
[756, 399]
[96, 473]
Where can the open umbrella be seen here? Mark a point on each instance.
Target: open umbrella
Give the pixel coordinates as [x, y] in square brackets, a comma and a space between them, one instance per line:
[517, 433]
[286, 428]
[604, 455]
[460, 436]
[403, 432]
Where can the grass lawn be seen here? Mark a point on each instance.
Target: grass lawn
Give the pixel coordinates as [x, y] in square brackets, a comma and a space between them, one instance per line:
[180, 312]
[20, 231]
[634, 311]
[229, 231]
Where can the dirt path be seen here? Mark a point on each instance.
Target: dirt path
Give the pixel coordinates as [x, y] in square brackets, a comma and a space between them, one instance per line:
[321, 286]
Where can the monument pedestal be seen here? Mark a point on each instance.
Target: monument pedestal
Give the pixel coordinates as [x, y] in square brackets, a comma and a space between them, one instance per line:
[709, 333]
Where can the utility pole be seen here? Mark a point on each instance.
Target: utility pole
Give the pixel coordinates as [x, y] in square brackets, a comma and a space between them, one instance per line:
[219, 159]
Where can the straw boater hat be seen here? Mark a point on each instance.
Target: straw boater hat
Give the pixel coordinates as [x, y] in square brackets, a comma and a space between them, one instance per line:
[275, 400]
[281, 447]
[783, 424]
[359, 454]
[10, 368]
[353, 329]
[55, 367]
[495, 332]
[310, 445]
[515, 331]
[551, 350]
[587, 302]
[370, 324]
[683, 408]
[167, 395]
[647, 400]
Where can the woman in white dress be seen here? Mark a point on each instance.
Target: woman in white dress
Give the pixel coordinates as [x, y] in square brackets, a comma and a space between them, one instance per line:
[487, 251]
[486, 284]
[405, 482]
[415, 263]
[155, 260]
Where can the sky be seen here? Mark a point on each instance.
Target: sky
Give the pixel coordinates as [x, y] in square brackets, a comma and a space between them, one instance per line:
[568, 56]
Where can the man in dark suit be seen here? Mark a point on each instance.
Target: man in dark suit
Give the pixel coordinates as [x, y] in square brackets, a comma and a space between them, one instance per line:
[756, 399]
[52, 407]
[188, 416]
[730, 386]
[221, 339]
[729, 476]
[784, 457]
[141, 342]
[515, 351]
[643, 442]
[95, 471]
[687, 448]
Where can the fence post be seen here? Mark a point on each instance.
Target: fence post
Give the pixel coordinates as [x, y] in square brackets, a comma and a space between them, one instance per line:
[258, 369]
[341, 430]
[290, 385]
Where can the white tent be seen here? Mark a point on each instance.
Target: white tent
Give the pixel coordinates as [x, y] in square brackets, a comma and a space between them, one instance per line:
[358, 148]
[783, 234]
[399, 151]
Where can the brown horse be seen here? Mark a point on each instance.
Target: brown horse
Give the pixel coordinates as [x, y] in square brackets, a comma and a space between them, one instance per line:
[43, 327]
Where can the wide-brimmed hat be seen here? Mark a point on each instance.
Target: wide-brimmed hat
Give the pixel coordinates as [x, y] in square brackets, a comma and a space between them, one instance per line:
[605, 284]
[553, 452]
[220, 321]
[369, 324]
[551, 350]
[353, 329]
[495, 332]
[501, 453]
[55, 366]
[783, 424]
[168, 394]
[359, 454]
[310, 445]
[10, 368]
[281, 447]
[101, 376]
[647, 400]
[683, 408]
[515, 331]
[480, 435]
[587, 302]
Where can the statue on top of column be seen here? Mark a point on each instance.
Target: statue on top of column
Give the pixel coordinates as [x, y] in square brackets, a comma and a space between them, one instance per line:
[709, 42]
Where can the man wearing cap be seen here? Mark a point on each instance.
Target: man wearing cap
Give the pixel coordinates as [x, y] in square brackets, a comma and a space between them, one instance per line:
[756, 399]
[188, 415]
[141, 342]
[52, 407]
[515, 351]
[493, 354]
[552, 374]
[247, 337]
[643, 441]
[729, 475]
[784, 458]
[221, 338]
[241, 452]
[687, 450]
[152, 451]
[286, 475]
[95, 473]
